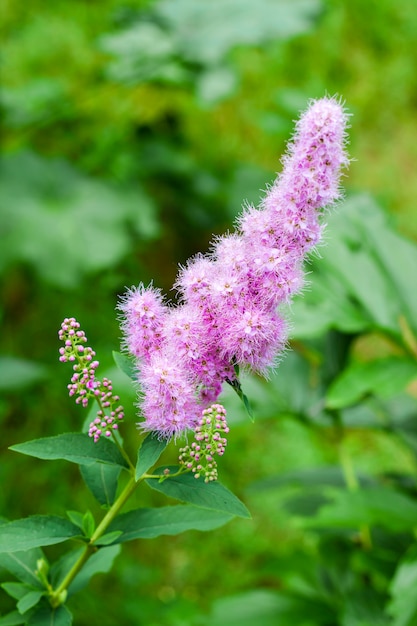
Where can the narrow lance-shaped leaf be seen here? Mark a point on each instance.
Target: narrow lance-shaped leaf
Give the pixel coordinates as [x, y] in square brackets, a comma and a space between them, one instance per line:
[125, 364]
[74, 447]
[169, 520]
[76, 518]
[149, 452]
[403, 604]
[187, 488]
[35, 531]
[16, 590]
[375, 506]
[100, 562]
[29, 600]
[237, 387]
[102, 480]
[23, 565]
[108, 539]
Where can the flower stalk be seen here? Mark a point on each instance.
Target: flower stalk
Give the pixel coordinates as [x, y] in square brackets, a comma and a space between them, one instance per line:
[58, 596]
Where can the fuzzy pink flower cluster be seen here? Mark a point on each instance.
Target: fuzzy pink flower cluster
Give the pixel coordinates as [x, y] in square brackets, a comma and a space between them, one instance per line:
[230, 299]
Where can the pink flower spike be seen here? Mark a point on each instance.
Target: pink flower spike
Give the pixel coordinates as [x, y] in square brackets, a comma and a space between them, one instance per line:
[230, 299]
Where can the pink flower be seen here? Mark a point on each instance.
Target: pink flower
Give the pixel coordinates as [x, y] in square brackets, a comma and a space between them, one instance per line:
[169, 404]
[143, 313]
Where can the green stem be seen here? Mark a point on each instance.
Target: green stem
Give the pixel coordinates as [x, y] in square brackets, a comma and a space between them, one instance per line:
[409, 339]
[58, 595]
[352, 484]
[116, 441]
[123, 452]
[348, 470]
[182, 470]
[114, 510]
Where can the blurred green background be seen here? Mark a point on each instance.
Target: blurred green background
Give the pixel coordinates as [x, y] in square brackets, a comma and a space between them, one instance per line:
[133, 131]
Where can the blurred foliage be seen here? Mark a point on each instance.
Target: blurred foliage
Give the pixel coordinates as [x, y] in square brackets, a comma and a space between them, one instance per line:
[132, 131]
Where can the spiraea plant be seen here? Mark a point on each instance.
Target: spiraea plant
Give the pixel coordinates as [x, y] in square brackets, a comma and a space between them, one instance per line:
[231, 317]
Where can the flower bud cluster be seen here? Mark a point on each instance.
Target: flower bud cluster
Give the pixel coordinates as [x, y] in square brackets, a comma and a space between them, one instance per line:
[209, 441]
[84, 384]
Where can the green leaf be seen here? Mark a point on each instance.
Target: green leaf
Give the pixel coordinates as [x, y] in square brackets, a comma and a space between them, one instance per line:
[399, 414]
[403, 604]
[74, 447]
[204, 32]
[237, 387]
[50, 197]
[248, 407]
[149, 452]
[60, 568]
[326, 305]
[269, 608]
[125, 364]
[76, 518]
[23, 565]
[311, 477]
[169, 520]
[385, 377]
[19, 373]
[141, 52]
[364, 607]
[101, 562]
[89, 524]
[29, 600]
[187, 488]
[398, 267]
[356, 285]
[376, 506]
[47, 616]
[15, 590]
[35, 531]
[102, 481]
[108, 538]
[12, 619]
[216, 84]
